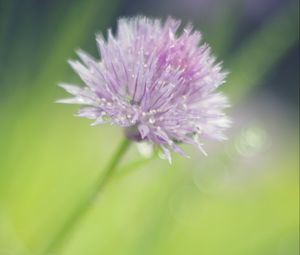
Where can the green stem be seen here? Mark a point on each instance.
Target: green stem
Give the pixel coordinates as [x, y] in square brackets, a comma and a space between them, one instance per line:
[83, 207]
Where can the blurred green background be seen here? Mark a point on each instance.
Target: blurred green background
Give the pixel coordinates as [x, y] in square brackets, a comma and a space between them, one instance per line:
[243, 199]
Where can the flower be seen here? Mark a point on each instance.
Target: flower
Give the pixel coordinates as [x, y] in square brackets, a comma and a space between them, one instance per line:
[156, 83]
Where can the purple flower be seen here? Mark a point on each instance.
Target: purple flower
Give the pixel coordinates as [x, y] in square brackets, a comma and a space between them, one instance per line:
[156, 83]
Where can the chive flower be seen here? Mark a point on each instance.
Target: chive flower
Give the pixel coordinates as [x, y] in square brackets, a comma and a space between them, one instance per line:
[155, 80]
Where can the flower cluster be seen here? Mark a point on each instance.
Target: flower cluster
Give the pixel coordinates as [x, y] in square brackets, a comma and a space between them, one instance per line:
[156, 83]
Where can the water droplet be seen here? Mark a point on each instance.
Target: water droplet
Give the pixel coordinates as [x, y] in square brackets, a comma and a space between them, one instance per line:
[151, 120]
[145, 149]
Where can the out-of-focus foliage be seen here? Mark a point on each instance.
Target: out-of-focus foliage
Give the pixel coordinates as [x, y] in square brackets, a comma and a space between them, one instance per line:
[241, 199]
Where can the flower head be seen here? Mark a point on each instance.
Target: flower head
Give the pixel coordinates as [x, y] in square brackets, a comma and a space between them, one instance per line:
[156, 83]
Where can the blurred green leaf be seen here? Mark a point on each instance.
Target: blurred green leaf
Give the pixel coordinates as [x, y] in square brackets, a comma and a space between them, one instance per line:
[261, 52]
